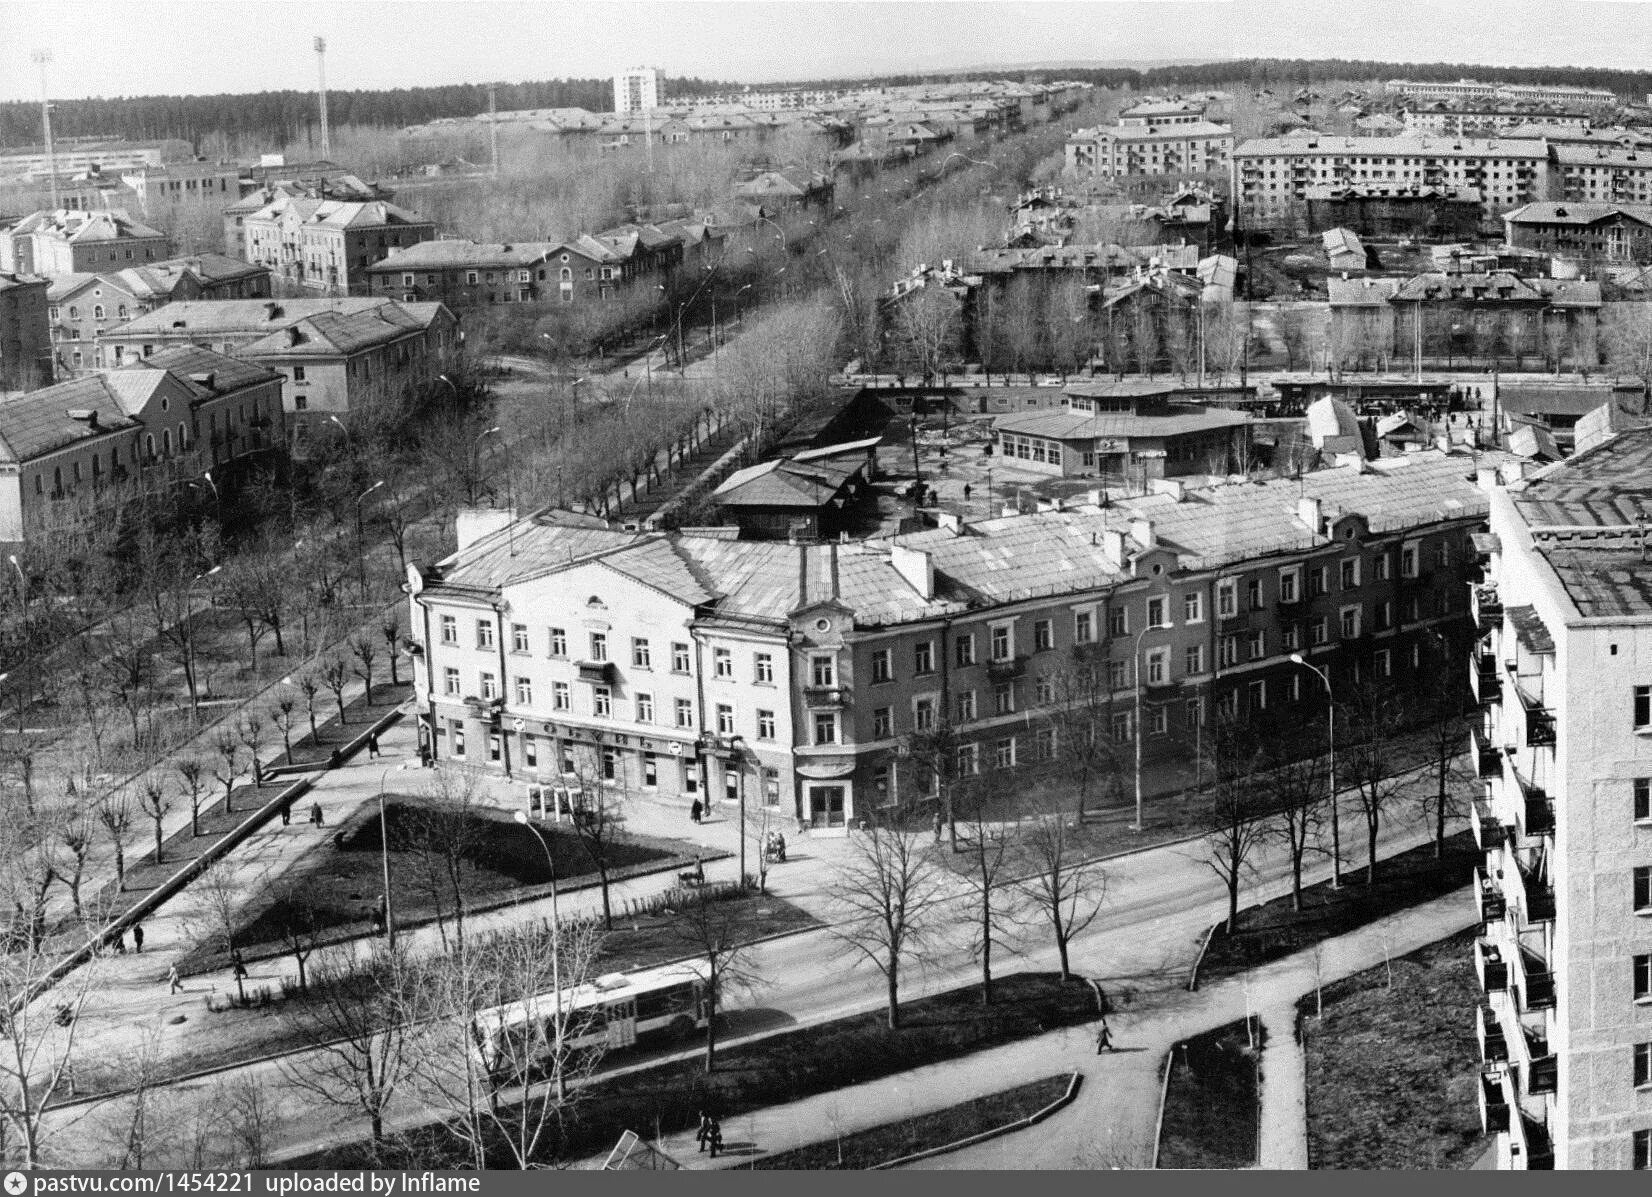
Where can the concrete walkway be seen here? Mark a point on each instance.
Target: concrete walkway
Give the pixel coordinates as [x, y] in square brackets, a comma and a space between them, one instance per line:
[1284, 1131]
[1113, 1121]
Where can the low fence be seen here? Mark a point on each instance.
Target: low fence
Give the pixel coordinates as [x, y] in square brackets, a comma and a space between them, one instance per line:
[1032, 1119]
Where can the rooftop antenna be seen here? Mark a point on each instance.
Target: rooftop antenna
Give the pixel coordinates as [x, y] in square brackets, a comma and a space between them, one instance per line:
[321, 77]
[42, 58]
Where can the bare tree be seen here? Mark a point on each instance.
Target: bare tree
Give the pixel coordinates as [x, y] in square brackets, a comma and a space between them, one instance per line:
[250, 730]
[1442, 706]
[889, 889]
[365, 649]
[220, 900]
[115, 813]
[356, 1016]
[1063, 889]
[76, 837]
[281, 714]
[1080, 716]
[155, 805]
[1235, 825]
[1298, 787]
[442, 833]
[391, 630]
[310, 687]
[250, 1114]
[228, 770]
[1372, 716]
[335, 675]
[192, 777]
[599, 824]
[719, 931]
[980, 866]
[300, 927]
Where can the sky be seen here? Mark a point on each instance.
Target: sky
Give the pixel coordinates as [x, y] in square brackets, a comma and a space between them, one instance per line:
[190, 46]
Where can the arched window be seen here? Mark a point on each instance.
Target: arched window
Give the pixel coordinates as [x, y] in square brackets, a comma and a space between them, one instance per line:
[97, 312]
[166, 442]
[39, 486]
[122, 311]
[74, 312]
[567, 275]
[183, 441]
[149, 445]
[57, 480]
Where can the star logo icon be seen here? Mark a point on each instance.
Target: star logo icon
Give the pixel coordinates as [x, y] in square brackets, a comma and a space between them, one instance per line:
[16, 1184]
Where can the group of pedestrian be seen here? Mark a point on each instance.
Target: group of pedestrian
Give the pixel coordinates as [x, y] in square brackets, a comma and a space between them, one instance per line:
[711, 1134]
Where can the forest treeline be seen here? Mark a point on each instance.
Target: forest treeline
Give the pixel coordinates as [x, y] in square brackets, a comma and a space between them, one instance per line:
[283, 117]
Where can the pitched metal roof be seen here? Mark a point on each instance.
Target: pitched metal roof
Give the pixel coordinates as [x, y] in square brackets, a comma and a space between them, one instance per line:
[1065, 424]
[786, 484]
[1607, 486]
[38, 422]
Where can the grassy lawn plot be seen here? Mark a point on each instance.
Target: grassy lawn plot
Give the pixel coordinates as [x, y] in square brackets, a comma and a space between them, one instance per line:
[785, 1067]
[1273, 930]
[1213, 1104]
[339, 881]
[869, 1148]
[1392, 1065]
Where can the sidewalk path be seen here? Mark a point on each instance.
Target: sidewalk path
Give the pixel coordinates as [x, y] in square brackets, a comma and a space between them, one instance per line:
[1284, 1133]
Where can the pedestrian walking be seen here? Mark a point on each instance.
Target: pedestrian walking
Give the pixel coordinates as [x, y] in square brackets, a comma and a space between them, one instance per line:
[1104, 1038]
[704, 1135]
[173, 980]
[372, 744]
[316, 816]
[695, 811]
[939, 823]
[334, 759]
[240, 965]
[286, 814]
[137, 937]
[716, 1137]
[120, 943]
[378, 920]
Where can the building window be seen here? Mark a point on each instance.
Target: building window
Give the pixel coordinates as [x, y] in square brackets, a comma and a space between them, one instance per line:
[969, 760]
[602, 702]
[1257, 695]
[1084, 627]
[559, 642]
[1408, 561]
[519, 637]
[1003, 753]
[881, 662]
[450, 630]
[610, 764]
[1158, 721]
[530, 752]
[560, 697]
[1043, 690]
[923, 658]
[1643, 707]
[825, 727]
[1643, 889]
[1641, 1151]
[1350, 573]
[883, 722]
[765, 725]
[1044, 744]
[1382, 663]
[1123, 727]
[1253, 594]
[1194, 660]
[679, 658]
[1193, 607]
[1380, 567]
[450, 680]
[923, 714]
[1158, 667]
[1643, 978]
[524, 692]
[822, 670]
[1118, 621]
[1643, 1065]
[1227, 599]
[1320, 632]
[641, 658]
[1043, 635]
[765, 669]
[722, 662]
[1156, 613]
[650, 771]
[1003, 644]
[458, 739]
[645, 708]
[685, 712]
[1193, 712]
[1290, 584]
[725, 719]
[1385, 615]
[1003, 699]
[1257, 644]
[1228, 648]
[964, 706]
[1643, 799]
[963, 649]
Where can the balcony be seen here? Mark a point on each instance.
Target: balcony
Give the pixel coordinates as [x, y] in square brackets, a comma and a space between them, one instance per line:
[1006, 670]
[1543, 1073]
[1484, 680]
[1489, 834]
[1490, 967]
[596, 673]
[1539, 813]
[1495, 1101]
[1539, 991]
[1488, 899]
[1530, 1146]
[1488, 760]
[1538, 896]
[1494, 1049]
[1540, 730]
[818, 698]
[1486, 606]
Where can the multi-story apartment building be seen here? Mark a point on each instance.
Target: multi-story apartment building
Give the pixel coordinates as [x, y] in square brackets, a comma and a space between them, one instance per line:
[183, 185]
[1607, 174]
[1527, 93]
[84, 306]
[65, 450]
[636, 90]
[1587, 232]
[25, 332]
[331, 184]
[71, 242]
[336, 356]
[1147, 145]
[1563, 670]
[1275, 173]
[327, 245]
[651, 653]
[1481, 121]
[72, 154]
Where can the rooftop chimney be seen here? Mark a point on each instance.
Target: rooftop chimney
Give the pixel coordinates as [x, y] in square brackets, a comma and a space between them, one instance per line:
[916, 567]
[1141, 531]
[1307, 510]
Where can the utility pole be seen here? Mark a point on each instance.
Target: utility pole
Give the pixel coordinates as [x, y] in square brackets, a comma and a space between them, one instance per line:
[42, 58]
[321, 78]
[493, 127]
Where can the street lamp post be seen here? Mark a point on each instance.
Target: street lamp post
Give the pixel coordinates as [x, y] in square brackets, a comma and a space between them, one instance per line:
[28, 641]
[1135, 664]
[384, 859]
[216, 497]
[521, 817]
[739, 315]
[475, 450]
[739, 759]
[1331, 740]
[361, 541]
